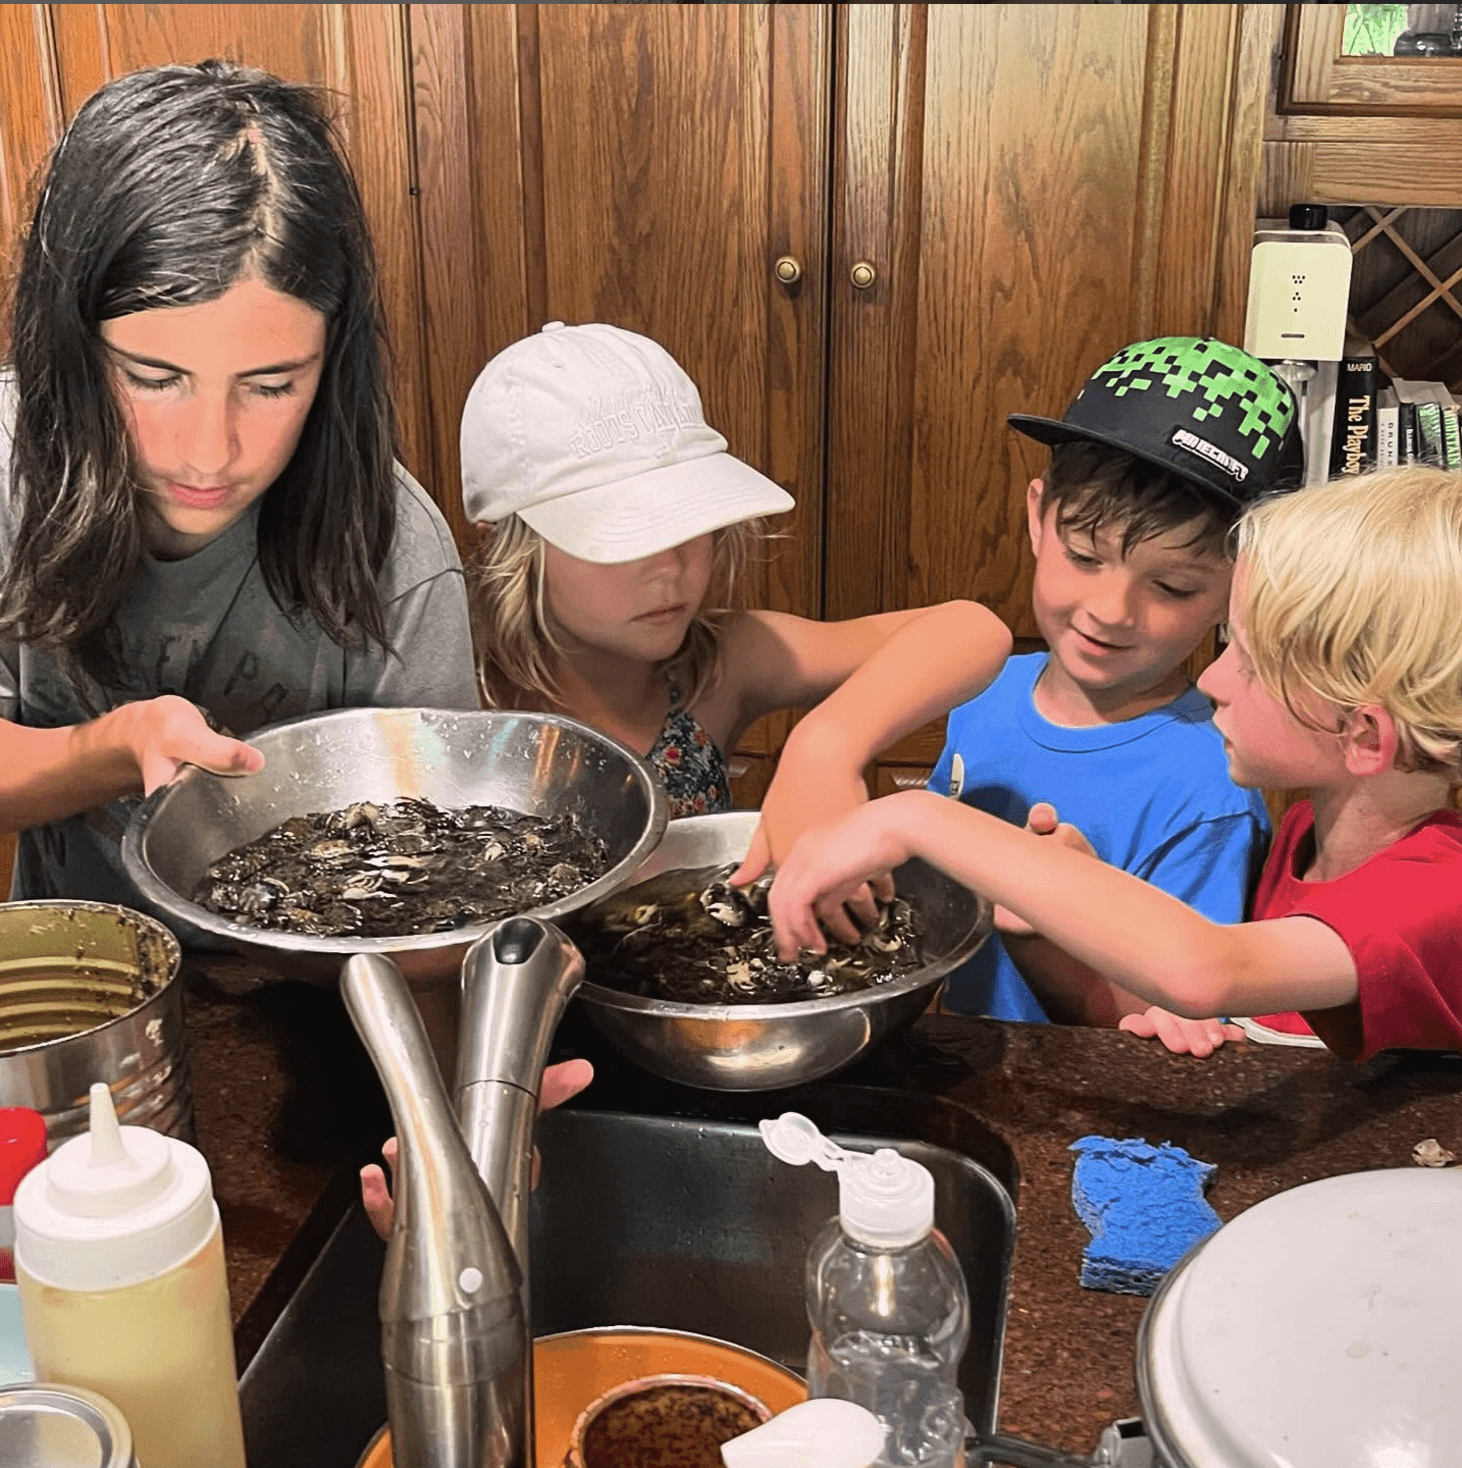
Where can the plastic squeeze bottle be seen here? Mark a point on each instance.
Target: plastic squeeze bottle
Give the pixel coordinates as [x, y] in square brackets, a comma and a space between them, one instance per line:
[886, 1298]
[119, 1259]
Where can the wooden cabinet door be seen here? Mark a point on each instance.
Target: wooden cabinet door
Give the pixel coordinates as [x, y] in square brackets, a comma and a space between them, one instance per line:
[1356, 129]
[1029, 187]
[644, 166]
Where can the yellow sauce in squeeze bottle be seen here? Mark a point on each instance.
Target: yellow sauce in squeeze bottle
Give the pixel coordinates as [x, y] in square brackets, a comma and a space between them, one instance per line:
[119, 1259]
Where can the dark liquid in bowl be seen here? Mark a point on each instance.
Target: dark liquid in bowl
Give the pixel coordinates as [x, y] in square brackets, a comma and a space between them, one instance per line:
[671, 1425]
[392, 870]
[687, 937]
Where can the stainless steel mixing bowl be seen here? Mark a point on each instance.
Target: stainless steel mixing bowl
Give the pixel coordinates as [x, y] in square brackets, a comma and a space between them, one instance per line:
[760, 1047]
[536, 763]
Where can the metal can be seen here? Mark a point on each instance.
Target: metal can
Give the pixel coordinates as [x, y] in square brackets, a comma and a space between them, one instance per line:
[43, 1425]
[90, 991]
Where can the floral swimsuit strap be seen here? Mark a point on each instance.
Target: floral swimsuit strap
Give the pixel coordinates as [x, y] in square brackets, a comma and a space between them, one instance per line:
[690, 764]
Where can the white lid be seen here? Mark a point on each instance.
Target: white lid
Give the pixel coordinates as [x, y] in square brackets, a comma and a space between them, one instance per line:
[825, 1432]
[1324, 1325]
[884, 1199]
[114, 1206]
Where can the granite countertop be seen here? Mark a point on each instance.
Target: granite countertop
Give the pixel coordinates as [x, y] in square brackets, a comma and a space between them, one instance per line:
[288, 1108]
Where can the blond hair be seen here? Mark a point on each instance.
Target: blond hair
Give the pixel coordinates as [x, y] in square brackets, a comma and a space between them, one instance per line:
[513, 638]
[1354, 597]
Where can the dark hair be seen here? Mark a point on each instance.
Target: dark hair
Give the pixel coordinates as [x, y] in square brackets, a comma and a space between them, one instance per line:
[1093, 486]
[170, 186]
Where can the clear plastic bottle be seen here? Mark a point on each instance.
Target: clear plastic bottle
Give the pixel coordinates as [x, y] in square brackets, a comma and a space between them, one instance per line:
[119, 1259]
[886, 1299]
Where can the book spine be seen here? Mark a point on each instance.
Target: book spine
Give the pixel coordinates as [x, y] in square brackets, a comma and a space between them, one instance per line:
[1352, 449]
[1429, 444]
[1451, 437]
[1388, 427]
[1406, 446]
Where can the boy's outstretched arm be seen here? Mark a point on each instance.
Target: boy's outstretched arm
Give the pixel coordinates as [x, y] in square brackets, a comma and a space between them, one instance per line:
[872, 680]
[1144, 940]
[1072, 992]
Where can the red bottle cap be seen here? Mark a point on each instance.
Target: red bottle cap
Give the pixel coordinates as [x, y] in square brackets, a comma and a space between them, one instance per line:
[22, 1146]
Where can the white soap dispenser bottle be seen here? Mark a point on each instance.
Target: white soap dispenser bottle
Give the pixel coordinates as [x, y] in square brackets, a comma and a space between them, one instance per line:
[119, 1259]
[886, 1298]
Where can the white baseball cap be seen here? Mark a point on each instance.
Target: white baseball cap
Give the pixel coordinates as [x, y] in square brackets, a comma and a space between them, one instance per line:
[596, 438]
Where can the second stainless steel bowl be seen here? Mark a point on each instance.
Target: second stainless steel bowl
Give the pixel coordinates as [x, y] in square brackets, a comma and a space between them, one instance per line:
[762, 1047]
[535, 763]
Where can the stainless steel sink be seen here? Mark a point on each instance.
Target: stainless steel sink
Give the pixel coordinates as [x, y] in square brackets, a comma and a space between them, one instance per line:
[677, 1221]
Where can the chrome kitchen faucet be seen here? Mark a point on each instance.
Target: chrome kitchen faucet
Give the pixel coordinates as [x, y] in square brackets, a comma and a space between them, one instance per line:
[456, 1328]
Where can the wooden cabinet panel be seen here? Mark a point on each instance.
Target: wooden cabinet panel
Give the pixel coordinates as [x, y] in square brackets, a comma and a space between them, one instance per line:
[1319, 78]
[474, 171]
[29, 118]
[103, 41]
[682, 151]
[1034, 186]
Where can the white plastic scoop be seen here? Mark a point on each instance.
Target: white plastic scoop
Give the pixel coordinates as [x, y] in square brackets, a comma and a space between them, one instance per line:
[822, 1433]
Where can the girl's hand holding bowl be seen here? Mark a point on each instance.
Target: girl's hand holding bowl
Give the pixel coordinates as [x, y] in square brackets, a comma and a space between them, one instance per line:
[167, 732]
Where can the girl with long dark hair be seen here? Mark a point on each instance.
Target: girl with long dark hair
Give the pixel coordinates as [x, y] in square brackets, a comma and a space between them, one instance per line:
[205, 528]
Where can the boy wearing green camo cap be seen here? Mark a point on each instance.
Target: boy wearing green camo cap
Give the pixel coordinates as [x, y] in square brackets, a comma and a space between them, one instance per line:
[1150, 468]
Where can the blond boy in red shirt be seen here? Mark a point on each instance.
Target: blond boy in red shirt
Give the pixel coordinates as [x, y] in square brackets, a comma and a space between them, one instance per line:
[1342, 677]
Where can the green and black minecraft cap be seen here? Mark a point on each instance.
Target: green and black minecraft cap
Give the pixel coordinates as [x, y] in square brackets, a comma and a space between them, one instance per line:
[1203, 410]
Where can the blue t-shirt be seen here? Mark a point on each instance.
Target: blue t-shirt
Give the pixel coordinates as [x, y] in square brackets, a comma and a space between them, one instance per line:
[1151, 794]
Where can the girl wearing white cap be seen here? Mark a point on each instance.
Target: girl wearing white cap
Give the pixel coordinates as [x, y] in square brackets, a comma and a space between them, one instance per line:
[619, 521]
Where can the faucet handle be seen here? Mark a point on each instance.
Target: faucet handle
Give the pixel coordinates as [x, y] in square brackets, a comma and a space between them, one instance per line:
[516, 981]
[516, 940]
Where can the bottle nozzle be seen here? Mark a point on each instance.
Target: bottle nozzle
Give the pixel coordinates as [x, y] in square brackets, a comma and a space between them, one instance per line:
[795, 1139]
[106, 1133]
[885, 1199]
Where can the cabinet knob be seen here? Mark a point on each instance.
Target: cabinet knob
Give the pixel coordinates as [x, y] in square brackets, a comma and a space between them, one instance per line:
[863, 275]
[789, 269]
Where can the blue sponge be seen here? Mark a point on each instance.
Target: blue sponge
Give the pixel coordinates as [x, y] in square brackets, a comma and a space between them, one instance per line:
[1144, 1207]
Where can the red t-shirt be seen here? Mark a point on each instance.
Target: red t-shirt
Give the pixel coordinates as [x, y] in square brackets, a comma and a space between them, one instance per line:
[1400, 915]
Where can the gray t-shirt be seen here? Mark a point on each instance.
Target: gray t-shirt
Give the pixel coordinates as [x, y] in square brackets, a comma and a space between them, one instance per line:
[207, 628]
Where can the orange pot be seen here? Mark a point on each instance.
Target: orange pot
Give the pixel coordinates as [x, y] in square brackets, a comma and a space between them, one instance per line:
[573, 1371]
